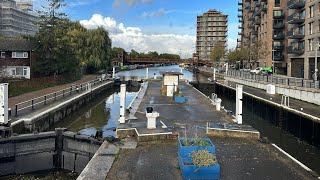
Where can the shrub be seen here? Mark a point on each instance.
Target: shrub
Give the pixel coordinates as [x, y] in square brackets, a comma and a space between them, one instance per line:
[203, 158]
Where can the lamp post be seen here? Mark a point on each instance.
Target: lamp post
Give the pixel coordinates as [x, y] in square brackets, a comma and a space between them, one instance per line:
[273, 70]
[316, 62]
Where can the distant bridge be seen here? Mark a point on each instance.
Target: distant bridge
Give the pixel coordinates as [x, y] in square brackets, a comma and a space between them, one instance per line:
[116, 61]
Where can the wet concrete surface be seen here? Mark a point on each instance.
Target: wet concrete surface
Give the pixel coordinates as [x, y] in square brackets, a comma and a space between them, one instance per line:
[238, 158]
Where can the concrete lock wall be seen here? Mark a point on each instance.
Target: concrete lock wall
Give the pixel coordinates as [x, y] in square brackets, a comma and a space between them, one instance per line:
[45, 151]
[46, 120]
[311, 96]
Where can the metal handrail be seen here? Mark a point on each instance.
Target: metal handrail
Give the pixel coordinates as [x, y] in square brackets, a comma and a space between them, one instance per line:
[45, 99]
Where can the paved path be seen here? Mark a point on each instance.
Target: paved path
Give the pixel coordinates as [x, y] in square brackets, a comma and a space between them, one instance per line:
[42, 92]
[297, 106]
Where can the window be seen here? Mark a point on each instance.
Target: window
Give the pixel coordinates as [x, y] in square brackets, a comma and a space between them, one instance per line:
[25, 71]
[19, 54]
[310, 44]
[277, 3]
[311, 28]
[311, 11]
[277, 13]
[3, 54]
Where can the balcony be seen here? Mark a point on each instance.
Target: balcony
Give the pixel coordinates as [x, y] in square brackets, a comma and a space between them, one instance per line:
[250, 26]
[257, 13]
[239, 15]
[278, 25]
[251, 18]
[278, 36]
[278, 16]
[257, 22]
[295, 35]
[240, 9]
[240, 20]
[264, 8]
[278, 47]
[295, 50]
[240, 3]
[240, 27]
[247, 6]
[240, 33]
[257, 4]
[296, 19]
[278, 58]
[296, 4]
[254, 32]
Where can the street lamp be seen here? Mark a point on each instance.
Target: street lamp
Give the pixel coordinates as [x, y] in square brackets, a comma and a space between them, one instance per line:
[273, 70]
[316, 62]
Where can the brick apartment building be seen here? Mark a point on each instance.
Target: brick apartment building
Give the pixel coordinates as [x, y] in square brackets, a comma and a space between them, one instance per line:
[212, 28]
[289, 29]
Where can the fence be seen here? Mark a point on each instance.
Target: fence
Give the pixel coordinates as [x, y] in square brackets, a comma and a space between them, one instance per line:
[41, 101]
[274, 79]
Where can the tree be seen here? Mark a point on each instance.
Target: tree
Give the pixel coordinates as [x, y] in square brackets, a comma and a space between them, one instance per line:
[217, 52]
[134, 54]
[66, 47]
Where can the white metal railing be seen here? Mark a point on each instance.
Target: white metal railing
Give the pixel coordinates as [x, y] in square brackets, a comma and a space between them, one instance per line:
[35, 103]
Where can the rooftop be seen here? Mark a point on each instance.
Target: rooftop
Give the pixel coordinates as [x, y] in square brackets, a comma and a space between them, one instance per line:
[16, 44]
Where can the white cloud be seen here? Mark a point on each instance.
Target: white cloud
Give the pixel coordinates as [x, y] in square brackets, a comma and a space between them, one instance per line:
[118, 3]
[134, 38]
[158, 13]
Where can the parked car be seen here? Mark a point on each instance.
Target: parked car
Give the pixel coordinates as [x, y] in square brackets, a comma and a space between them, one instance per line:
[256, 70]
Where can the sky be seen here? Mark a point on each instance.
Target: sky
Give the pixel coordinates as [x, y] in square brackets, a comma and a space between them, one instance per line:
[165, 26]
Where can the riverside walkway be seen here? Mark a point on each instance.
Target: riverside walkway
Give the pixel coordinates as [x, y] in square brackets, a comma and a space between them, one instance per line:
[239, 158]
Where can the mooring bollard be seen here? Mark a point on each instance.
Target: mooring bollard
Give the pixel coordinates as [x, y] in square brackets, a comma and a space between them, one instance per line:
[218, 104]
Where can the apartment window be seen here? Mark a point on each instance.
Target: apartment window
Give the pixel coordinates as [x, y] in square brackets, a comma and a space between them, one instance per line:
[276, 43]
[310, 42]
[301, 30]
[3, 54]
[311, 11]
[19, 54]
[277, 13]
[311, 28]
[277, 3]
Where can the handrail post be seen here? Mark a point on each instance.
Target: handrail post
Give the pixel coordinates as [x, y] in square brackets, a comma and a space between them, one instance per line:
[16, 111]
[45, 99]
[63, 93]
[70, 90]
[55, 96]
[32, 103]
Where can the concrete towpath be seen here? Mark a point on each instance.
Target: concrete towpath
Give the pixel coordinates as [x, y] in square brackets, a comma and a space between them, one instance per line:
[31, 95]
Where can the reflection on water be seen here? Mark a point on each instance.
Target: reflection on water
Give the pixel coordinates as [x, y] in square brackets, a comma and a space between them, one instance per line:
[139, 74]
[101, 114]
